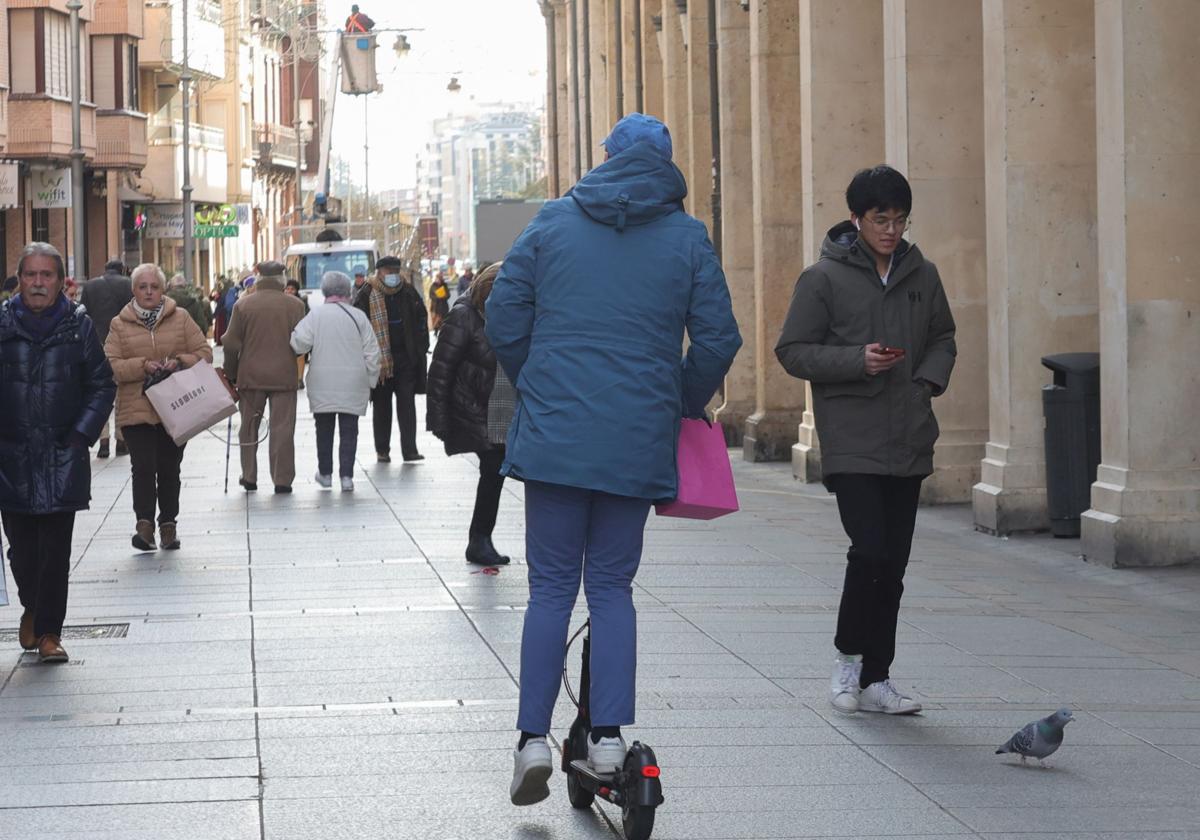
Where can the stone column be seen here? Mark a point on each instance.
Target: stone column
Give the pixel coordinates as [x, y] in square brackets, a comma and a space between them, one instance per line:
[1039, 82]
[613, 60]
[562, 43]
[631, 52]
[601, 104]
[737, 203]
[576, 133]
[933, 88]
[675, 89]
[699, 172]
[1146, 499]
[841, 106]
[775, 160]
[652, 59]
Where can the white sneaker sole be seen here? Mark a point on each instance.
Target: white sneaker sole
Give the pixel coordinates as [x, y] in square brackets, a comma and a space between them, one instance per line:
[848, 704]
[530, 787]
[908, 710]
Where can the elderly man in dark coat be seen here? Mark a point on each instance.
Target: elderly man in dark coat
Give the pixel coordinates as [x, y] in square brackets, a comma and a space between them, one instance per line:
[57, 390]
[104, 297]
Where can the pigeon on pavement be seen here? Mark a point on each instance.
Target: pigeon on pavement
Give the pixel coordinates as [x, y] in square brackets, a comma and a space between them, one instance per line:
[1040, 738]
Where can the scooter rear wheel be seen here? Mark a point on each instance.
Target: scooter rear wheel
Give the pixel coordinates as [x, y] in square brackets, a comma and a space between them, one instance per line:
[637, 821]
[579, 796]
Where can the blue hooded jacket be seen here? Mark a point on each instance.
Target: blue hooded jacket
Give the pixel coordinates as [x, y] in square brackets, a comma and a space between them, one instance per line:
[587, 318]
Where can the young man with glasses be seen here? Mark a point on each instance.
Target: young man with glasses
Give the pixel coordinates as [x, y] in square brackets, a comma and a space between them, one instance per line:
[870, 328]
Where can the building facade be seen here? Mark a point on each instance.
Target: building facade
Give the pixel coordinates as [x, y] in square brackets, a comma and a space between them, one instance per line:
[1051, 147]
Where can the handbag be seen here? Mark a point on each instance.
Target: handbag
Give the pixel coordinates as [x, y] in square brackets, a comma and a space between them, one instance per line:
[190, 401]
[706, 488]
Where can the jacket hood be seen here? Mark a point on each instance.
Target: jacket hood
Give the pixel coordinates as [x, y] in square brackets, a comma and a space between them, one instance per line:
[842, 244]
[633, 188]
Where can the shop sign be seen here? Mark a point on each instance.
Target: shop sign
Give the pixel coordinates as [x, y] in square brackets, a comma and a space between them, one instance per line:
[216, 231]
[10, 185]
[164, 221]
[51, 188]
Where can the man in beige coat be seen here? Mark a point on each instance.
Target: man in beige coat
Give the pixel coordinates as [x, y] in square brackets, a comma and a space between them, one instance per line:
[260, 361]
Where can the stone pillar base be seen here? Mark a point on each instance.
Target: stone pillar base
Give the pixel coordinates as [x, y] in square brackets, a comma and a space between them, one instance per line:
[1011, 493]
[955, 468]
[733, 418]
[806, 454]
[769, 438]
[1142, 519]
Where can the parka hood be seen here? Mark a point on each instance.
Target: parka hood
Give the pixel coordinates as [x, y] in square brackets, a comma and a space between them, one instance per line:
[632, 188]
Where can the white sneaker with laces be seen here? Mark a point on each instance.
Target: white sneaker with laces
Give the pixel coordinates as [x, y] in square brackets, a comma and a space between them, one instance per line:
[324, 480]
[347, 484]
[843, 686]
[532, 768]
[607, 756]
[883, 696]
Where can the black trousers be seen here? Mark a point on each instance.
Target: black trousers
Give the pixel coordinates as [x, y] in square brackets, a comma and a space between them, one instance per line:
[347, 446]
[154, 460]
[879, 513]
[402, 385]
[487, 493]
[39, 552]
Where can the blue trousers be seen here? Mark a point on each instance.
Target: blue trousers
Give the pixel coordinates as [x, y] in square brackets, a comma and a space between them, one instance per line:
[572, 533]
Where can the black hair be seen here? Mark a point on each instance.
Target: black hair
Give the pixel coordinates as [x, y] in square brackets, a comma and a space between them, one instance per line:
[294, 283]
[879, 188]
[115, 265]
[11, 283]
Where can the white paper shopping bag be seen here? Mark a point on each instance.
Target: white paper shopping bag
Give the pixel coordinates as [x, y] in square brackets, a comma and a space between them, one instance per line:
[190, 401]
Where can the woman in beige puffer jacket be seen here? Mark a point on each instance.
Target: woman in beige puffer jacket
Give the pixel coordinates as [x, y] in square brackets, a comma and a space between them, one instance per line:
[149, 334]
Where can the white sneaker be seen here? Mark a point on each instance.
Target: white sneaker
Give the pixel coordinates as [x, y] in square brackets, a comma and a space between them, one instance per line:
[883, 696]
[843, 686]
[324, 480]
[532, 767]
[347, 484]
[608, 756]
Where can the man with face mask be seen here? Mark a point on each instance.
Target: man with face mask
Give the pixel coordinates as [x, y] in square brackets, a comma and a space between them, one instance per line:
[56, 389]
[398, 317]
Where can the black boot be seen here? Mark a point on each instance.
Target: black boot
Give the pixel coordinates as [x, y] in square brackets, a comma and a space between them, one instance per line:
[481, 552]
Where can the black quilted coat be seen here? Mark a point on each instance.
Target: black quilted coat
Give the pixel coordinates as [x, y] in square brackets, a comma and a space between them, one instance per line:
[461, 377]
[48, 391]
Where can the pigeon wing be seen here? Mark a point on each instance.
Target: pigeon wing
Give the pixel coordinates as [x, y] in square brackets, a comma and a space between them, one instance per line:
[1022, 741]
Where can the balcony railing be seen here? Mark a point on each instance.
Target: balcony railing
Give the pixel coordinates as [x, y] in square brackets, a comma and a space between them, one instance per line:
[275, 145]
[168, 132]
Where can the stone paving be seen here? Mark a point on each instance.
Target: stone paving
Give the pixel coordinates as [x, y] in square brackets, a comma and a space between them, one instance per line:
[325, 665]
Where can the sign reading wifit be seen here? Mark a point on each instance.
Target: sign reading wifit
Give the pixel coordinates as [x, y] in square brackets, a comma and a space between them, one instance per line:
[51, 188]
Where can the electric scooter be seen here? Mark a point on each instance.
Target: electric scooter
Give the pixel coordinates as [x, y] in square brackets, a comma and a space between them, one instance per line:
[635, 788]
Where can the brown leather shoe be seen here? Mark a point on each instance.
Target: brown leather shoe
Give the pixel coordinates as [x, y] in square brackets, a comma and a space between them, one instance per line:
[25, 634]
[50, 649]
[167, 537]
[143, 538]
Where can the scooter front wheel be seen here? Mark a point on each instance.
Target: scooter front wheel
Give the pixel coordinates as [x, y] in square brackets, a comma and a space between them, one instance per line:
[637, 821]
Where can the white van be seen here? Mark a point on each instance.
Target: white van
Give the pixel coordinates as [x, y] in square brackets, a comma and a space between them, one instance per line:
[307, 262]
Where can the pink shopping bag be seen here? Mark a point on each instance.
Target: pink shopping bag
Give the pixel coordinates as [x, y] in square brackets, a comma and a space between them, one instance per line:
[706, 488]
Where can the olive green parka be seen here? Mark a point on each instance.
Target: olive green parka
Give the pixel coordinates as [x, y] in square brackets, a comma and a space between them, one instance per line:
[882, 424]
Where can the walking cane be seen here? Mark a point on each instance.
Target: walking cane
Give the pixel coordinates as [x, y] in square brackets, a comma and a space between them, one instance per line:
[228, 440]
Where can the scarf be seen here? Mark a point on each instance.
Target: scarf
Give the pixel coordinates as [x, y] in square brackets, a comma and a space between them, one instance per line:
[378, 317]
[41, 324]
[148, 317]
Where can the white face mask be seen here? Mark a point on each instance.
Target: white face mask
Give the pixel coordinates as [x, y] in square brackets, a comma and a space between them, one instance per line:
[391, 280]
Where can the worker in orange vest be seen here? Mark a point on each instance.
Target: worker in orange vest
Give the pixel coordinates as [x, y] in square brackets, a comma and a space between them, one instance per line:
[358, 21]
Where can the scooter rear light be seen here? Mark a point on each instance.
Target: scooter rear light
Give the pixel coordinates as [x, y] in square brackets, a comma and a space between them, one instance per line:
[650, 772]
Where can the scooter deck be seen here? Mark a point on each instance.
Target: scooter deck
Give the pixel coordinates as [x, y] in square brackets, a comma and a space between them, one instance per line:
[580, 766]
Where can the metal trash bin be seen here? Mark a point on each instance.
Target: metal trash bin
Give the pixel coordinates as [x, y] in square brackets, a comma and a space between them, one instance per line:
[1072, 413]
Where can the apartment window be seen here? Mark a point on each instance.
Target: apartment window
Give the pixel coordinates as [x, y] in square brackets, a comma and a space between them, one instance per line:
[115, 72]
[40, 53]
[40, 222]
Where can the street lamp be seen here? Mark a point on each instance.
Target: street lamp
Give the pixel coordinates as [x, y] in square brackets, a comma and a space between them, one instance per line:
[77, 199]
[185, 79]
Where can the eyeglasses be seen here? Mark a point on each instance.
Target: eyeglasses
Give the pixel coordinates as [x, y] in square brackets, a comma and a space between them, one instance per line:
[883, 224]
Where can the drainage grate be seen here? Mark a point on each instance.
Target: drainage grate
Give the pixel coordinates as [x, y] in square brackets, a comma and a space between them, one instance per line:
[76, 632]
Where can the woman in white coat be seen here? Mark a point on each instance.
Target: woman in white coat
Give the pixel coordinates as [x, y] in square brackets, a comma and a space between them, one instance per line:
[343, 369]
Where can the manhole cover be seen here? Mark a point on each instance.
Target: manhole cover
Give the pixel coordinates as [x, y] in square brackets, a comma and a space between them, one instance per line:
[80, 631]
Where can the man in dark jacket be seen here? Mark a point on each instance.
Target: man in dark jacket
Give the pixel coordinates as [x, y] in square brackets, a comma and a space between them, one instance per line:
[57, 390]
[189, 298]
[104, 297]
[870, 328]
[399, 319]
